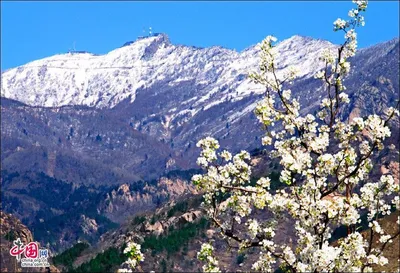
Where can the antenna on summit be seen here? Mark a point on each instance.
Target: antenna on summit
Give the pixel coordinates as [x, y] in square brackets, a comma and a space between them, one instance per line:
[72, 50]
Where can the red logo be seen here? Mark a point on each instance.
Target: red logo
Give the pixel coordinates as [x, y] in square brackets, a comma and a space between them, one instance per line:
[17, 249]
[34, 257]
[31, 250]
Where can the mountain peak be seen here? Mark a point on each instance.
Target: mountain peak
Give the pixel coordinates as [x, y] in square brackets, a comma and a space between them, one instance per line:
[294, 40]
[300, 39]
[156, 37]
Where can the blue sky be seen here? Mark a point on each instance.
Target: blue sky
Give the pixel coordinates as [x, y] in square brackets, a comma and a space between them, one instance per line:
[34, 30]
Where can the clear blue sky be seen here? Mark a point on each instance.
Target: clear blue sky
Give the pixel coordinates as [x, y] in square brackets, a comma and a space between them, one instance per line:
[33, 30]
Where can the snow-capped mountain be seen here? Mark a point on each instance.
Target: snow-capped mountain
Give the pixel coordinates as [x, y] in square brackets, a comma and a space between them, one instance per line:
[172, 95]
[106, 80]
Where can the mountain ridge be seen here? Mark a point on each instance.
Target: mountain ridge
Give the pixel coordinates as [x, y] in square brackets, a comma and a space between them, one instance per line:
[76, 78]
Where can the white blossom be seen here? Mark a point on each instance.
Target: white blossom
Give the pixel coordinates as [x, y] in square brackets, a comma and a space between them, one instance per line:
[205, 255]
[226, 155]
[339, 24]
[135, 256]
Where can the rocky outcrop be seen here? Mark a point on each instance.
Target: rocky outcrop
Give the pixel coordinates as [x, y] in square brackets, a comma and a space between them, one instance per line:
[120, 204]
[175, 222]
[156, 229]
[89, 226]
[128, 200]
[11, 228]
[190, 217]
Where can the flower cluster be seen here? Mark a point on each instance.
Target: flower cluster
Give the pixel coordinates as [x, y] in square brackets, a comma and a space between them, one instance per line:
[205, 255]
[340, 24]
[208, 155]
[135, 256]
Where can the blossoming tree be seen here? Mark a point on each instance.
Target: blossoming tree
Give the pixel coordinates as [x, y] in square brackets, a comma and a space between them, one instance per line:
[135, 256]
[325, 163]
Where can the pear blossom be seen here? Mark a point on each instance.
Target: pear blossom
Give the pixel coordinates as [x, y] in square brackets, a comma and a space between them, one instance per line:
[135, 256]
[205, 254]
[226, 155]
[339, 24]
[253, 227]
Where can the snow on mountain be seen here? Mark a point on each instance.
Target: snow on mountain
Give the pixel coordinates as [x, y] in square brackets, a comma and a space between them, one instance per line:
[103, 81]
